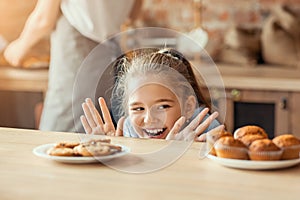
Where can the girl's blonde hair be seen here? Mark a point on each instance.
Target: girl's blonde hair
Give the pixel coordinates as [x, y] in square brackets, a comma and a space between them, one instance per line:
[167, 65]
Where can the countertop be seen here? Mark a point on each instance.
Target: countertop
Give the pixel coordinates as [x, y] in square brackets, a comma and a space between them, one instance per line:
[260, 77]
[27, 176]
[25, 80]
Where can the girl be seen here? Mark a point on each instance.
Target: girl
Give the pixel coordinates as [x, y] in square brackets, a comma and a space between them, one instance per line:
[158, 96]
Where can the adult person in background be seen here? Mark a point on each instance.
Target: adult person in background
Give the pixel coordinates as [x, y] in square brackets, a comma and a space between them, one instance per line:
[76, 27]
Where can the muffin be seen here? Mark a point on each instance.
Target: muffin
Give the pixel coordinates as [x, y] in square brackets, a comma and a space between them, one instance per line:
[290, 146]
[228, 147]
[249, 130]
[248, 139]
[212, 137]
[264, 149]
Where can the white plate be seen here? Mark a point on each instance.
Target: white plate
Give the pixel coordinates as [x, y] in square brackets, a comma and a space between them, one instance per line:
[255, 165]
[41, 151]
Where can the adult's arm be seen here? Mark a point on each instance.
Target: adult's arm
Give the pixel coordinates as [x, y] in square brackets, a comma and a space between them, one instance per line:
[39, 24]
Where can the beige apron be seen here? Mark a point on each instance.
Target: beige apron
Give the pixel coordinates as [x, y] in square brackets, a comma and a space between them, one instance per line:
[68, 50]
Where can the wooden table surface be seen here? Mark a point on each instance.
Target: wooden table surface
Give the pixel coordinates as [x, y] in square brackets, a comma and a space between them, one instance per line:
[26, 176]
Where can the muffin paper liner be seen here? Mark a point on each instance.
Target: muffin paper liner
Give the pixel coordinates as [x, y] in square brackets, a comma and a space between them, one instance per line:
[291, 152]
[265, 155]
[224, 151]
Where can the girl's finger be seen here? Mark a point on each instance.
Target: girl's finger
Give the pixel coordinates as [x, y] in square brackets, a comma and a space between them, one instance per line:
[189, 137]
[105, 111]
[195, 122]
[94, 112]
[86, 126]
[192, 127]
[176, 128]
[203, 137]
[119, 131]
[88, 115]
[205, 124]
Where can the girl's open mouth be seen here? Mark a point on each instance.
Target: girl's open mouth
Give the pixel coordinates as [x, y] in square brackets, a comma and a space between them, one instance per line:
[154, 132]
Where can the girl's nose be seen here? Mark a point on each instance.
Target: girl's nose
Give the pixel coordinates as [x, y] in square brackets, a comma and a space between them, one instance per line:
[152, 116]
[148, 117]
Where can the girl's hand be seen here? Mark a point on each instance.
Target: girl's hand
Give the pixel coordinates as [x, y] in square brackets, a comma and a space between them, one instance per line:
[194, 129]
[119, 131]
[94, 124]
[203, 137]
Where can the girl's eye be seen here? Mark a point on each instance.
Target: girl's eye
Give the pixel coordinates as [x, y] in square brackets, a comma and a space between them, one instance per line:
[137, 109]
[161, 107]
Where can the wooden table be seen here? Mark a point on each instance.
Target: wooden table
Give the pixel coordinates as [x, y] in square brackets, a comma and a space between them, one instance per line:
[26, 176]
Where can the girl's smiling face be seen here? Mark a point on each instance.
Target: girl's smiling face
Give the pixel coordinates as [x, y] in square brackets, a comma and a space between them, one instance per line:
[153, 110]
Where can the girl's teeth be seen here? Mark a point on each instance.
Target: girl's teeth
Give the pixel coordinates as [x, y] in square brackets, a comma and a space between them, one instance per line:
[154, 131]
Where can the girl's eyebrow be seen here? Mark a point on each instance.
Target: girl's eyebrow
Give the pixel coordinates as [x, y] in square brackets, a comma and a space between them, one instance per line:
[164, 100]
[157, 101]
[135, 104]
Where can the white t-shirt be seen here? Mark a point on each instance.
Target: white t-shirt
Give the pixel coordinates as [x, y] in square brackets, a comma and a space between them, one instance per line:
[97, 19]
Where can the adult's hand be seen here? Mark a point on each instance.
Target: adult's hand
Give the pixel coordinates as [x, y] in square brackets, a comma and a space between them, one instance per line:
[14, 53]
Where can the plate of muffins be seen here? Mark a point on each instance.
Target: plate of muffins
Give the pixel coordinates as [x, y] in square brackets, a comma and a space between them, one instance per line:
[250, 148]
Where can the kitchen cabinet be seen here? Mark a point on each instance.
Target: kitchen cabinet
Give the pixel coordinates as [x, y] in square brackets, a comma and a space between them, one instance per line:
[20, 91]
[295, 113]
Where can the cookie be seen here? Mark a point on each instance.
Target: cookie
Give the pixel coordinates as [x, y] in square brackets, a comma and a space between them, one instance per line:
[92, 150]
[61, 151]
[112, 146]
[67, 144]
[103, 140]
[95, 147]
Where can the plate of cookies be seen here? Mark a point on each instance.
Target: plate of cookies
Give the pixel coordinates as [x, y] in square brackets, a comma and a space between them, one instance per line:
[91, 151]
[250, 148]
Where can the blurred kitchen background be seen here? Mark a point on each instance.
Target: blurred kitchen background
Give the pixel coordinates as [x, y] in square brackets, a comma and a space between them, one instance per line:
[234, 29]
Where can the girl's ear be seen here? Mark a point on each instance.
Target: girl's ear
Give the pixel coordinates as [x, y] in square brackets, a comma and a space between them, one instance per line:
[190, 106]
